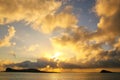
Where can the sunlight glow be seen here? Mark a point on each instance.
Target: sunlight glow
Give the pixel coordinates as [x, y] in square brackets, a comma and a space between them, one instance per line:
[55, 57]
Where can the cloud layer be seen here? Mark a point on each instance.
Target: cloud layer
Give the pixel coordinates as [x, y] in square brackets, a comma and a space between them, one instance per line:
[85, 48]
[88, 46]
[28, 10]
[109, 13]
[43, 63]
[42, 15]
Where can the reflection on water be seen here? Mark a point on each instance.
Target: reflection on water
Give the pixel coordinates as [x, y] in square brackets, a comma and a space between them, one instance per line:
[59, 76]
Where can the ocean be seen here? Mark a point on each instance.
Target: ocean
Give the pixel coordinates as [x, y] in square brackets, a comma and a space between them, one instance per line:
[59, 76]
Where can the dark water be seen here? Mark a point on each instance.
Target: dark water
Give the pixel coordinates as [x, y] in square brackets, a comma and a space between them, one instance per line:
[59, 76]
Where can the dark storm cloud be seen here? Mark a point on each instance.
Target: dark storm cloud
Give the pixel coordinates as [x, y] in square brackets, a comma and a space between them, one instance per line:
[42, 63]
[65, 65]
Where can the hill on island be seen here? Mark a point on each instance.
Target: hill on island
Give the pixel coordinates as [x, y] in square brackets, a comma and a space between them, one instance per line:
[25, 70]
[105, 71]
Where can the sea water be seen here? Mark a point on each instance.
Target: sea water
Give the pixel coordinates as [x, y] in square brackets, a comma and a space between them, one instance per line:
[59, 76]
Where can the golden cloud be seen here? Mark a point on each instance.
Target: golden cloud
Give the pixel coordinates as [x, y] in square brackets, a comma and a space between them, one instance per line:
[32, 48]
[87, 46]
[28, 10]
[84, 46]
[3, 63]
[77, 40]
[62, 20]
[6, 40]
[41, 14]
[109, 13]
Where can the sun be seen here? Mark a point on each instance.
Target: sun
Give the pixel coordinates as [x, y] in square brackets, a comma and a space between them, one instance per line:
[56, 56]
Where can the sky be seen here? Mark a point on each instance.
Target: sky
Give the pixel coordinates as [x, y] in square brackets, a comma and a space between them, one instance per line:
[60, 35]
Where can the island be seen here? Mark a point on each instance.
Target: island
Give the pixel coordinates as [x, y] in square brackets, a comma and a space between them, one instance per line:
[105, 71]
[26, 70]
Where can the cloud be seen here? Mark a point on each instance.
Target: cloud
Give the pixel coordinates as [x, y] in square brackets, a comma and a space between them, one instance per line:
[87, 46]
[6, 40]
[43, 63]
[3, 63]
[40, 63]
[117, 45]
[32, 48]
[78, 41]
[62, 20]
[83, 47]
[42, 15]
[104, 59]
[109, 13]
[65, 65]
[29, 10]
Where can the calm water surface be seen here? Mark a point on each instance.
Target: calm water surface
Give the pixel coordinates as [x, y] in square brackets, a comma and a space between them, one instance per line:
[59, 76]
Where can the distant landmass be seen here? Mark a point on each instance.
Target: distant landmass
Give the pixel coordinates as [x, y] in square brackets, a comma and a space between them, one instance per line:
[26, 70]
[105, 71]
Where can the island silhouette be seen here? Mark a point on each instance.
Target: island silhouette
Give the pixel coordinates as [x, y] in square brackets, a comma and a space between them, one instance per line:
[105, 71]
[38, 71]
